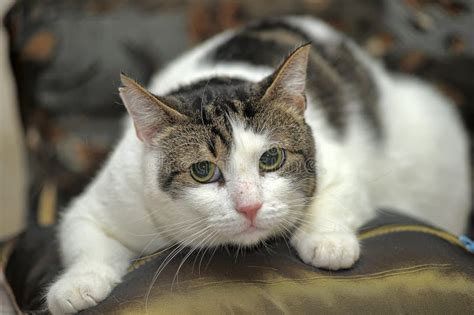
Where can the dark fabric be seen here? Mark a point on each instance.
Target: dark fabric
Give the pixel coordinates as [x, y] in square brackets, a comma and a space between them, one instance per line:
[32, 266]
[406, 267]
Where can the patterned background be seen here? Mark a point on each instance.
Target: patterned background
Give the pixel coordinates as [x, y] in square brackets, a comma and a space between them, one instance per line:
[67, 56]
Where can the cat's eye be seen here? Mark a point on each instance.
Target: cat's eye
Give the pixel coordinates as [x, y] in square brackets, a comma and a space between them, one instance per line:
[205, 172]
[272, 159]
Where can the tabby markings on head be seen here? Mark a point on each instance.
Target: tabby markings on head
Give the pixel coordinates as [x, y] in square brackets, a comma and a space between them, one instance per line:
[335, 76]
[197, 122]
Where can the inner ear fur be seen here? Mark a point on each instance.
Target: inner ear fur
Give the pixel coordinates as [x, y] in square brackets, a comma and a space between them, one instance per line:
[288, 82]
[149, 113]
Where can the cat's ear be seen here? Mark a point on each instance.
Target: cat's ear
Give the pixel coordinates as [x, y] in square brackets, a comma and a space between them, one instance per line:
[288, 82]
[148, 112]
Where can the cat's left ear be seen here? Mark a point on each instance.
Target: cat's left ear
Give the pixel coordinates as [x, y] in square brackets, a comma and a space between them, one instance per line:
[288, 82]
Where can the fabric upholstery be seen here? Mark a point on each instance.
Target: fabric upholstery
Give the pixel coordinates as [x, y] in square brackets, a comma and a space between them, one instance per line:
[406, 267]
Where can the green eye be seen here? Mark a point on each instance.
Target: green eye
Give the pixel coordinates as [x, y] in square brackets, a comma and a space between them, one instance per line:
[205, 172]
[272, 159]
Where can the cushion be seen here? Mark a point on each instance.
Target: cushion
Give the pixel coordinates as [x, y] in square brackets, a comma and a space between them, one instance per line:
[405, 267]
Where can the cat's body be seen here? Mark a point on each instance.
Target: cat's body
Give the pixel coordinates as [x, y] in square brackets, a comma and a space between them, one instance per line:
[375, 140]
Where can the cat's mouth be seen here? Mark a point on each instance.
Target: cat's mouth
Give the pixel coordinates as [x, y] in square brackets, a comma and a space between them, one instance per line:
[250, 235]
[252, 229]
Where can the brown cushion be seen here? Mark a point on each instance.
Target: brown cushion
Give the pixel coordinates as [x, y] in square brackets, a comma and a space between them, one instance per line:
[406, 267]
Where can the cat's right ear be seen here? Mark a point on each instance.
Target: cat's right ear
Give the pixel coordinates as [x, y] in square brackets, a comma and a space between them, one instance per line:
[148, 112]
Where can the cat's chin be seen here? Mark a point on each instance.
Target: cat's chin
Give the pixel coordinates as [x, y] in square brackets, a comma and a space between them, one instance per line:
[250, 236]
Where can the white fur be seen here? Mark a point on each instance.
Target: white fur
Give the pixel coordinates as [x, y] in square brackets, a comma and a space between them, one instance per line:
[420, 167]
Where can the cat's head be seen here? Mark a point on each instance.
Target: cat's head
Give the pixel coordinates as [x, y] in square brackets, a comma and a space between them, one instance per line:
[227, 160]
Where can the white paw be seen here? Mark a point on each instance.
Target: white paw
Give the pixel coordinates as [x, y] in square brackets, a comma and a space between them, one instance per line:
[331, 250]
[80, 289]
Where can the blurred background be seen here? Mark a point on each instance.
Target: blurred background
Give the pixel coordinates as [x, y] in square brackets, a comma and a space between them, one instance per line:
[66, 57]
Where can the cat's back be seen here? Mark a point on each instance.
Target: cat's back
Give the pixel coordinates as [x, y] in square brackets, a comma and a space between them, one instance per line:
[341, 80]
[250, 52]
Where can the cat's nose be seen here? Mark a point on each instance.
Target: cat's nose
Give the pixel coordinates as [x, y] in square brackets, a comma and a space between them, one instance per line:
[250, 211]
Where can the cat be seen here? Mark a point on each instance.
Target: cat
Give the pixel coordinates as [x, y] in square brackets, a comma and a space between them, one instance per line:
[234, 143]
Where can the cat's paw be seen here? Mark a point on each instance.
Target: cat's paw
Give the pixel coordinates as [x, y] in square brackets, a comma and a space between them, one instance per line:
[80, 289]
[330, 250]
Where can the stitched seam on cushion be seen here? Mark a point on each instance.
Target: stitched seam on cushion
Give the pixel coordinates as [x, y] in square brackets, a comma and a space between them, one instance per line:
[377, 275]
[338, 279]
[388, 229]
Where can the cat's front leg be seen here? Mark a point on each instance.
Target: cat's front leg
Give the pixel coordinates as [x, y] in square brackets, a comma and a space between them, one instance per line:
[327, 239]
[95, 263]
[83, 285]
[329, 250]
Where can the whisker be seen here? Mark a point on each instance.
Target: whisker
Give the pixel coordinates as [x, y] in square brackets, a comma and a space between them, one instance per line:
[188, 228]
[170, 257]
[210, 244]
[189, 254]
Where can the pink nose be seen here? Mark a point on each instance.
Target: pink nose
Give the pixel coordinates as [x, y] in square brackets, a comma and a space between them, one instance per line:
[250, 211]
